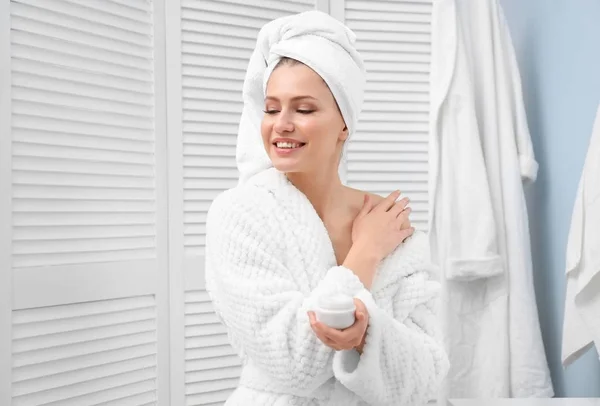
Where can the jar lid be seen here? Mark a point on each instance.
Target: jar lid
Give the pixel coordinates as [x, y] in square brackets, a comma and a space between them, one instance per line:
[336, 302]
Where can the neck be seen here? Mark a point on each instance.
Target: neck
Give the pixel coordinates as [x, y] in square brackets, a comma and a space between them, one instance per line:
[324, 189]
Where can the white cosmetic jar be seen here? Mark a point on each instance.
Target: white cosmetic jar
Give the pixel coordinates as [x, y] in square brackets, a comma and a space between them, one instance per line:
[336, 311]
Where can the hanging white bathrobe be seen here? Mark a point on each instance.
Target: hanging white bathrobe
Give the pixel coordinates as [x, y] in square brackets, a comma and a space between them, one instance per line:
[480, 155]
[581, 325]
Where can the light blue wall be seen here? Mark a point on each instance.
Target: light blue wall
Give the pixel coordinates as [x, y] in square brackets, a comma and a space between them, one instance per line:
[558, 48]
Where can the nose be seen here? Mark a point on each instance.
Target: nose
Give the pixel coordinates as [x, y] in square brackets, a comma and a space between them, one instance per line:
[283, 123]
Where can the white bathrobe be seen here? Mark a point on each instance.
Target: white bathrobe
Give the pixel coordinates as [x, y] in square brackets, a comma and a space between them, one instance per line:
[581, 325]
[268, 256]
[480, 156]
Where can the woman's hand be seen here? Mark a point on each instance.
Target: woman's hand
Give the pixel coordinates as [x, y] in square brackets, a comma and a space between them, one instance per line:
[380, 228]
[376, 231]
[347, 339]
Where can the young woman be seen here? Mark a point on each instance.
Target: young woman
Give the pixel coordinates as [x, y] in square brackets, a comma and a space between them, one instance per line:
[292, 232]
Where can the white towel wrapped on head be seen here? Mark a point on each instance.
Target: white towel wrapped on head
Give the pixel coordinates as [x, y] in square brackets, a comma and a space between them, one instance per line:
[317, 40]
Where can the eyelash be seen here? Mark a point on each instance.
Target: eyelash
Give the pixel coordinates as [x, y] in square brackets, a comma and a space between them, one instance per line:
[271, 112]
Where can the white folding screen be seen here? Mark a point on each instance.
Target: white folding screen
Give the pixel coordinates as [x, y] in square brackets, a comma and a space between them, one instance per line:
[102, 216]
[390, 148]
[85, 227]
[210, 43]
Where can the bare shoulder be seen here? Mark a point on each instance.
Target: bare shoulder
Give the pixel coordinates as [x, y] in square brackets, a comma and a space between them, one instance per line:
[356, 197]
[376, 198]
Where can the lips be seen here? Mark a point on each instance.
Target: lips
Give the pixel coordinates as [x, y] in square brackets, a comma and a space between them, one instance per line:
[289, 145]
[285, 147]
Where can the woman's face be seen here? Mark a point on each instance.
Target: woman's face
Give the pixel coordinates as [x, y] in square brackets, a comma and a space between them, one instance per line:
[302, 129]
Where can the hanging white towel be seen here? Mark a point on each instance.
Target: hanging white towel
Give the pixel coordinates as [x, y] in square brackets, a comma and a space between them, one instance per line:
[581, 325]
[481, 155]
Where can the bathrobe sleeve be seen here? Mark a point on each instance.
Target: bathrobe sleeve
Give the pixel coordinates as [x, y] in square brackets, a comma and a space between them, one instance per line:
[527, 163]
[462, 217]
[256, 297]
[403, 360]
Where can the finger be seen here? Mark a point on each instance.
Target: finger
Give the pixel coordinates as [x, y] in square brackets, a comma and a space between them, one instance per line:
[317, 328]
[324, 331]
[357, 331]
[404, 234]
[338, 336]
[406, 222]
[315, 324]
[388, 202]
[351, 334]
[363, 321]
[360, 317]
[331, 333]
[402, 220]
[361, 310]
[399, 207]
[328, 342]
[320, 331]
[358, 304]
[403, 217]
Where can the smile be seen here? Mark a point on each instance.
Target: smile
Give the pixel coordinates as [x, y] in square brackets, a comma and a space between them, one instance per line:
[288, 145]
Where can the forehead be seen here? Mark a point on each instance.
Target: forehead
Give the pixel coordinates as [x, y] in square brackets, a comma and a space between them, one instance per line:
[296, 78]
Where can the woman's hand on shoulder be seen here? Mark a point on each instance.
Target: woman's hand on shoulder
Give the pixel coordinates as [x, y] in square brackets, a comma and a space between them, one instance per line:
[382, 225]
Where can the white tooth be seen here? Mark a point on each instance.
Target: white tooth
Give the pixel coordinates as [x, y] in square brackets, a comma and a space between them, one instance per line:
[287, 145]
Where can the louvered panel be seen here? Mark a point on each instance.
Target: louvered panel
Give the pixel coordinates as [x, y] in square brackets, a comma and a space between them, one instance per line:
[217, 40]
[82, 132]
[392, 9]
[134, 4]
[231, 11]
[212, 368]
[400, 88]
[111, 14]
[67, 77]
[390, 149]
[53, 47]
[61, 17]
[101, 352]
[400, 128]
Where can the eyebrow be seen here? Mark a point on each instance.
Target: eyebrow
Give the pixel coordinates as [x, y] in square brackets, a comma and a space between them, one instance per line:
[293, 98]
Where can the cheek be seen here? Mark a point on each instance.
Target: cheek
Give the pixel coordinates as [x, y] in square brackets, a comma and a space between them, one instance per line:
[266, 127]
[314, 129]
[320, 133]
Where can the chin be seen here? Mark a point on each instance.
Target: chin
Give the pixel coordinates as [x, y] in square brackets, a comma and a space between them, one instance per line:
[286, 167]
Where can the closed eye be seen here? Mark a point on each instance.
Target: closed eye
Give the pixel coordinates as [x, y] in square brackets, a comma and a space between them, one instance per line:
[271, 112]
